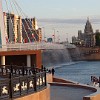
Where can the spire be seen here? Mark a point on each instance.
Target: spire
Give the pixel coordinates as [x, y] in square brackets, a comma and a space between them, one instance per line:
[87, 18]
[88, 27]
[2, 32]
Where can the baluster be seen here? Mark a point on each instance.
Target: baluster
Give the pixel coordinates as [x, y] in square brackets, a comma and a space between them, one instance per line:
[23, 69]
[35, 79]
[11, 69]
[2, 70]
[99, 81]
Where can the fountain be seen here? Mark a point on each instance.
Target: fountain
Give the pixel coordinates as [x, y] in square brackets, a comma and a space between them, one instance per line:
[55, 57]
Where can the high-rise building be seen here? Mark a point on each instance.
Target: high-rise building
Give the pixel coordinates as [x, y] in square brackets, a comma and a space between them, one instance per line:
[34, 23]
[88, 27]
[5, 26]
[39, 34]
[30, 30]
[87, 38]
[13, 27]
[2, 32]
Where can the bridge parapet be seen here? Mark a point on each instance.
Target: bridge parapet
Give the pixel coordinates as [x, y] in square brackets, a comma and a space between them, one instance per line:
[35, 46]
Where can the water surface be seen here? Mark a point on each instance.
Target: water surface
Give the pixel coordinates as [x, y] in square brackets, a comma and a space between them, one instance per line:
[80, 72]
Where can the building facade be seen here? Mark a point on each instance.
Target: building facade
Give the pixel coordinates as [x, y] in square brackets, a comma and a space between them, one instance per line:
[87, 38]
[30, 30]
[34, 23]
[39, 34]
[13, 28]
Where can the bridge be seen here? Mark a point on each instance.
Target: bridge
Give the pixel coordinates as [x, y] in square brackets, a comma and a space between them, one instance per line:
[11, 45]
[35, 46]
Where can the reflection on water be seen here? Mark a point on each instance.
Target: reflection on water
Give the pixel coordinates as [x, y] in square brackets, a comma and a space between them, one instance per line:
[80, 72]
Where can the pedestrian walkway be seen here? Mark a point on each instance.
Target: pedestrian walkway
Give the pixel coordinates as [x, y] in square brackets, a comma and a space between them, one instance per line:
[68, 93]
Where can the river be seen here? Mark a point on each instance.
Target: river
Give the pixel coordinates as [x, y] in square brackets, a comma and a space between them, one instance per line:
[78, 71]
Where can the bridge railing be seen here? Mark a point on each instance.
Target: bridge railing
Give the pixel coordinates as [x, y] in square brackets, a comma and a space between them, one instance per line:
[31, 46]
[19, 81]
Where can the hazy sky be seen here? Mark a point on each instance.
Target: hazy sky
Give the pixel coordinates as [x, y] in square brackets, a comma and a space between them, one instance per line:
[61, 8]
[52, 14]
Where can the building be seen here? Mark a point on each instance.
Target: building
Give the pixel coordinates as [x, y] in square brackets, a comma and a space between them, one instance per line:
[34, 23]
[13, 28]
[2, 28]
[30, 31]
[74, 39]
[39, 34]
[88, 27]
[87, 38]
[22, 76]
[27, 30]
[80, 35]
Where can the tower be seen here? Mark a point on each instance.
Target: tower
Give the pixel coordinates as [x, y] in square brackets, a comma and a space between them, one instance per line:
[89, 36]
[2, 32]
[88, 27]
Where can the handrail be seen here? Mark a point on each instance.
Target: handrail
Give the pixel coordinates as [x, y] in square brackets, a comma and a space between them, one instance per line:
[19, 81]
[31, 46]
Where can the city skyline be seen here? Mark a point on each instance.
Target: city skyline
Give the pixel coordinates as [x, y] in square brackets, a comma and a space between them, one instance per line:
[67, 28]
[73, 12]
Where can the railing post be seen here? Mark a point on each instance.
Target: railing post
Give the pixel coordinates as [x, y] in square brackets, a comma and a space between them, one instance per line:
[10, 85]
[23, 69]
[11, 69]
[99, 81]
[35, 81]
[45, 76]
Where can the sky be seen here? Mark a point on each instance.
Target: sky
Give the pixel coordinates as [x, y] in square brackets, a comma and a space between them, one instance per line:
[61, 9]
[66, 16]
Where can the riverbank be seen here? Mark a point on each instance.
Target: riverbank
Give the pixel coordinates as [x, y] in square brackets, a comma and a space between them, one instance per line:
[62, 89]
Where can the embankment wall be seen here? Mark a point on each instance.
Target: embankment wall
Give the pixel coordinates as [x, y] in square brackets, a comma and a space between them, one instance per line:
[85, 54]
[41, 95]
[62, 82]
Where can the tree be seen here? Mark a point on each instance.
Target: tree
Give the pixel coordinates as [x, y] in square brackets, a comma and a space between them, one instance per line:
[97, 37]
